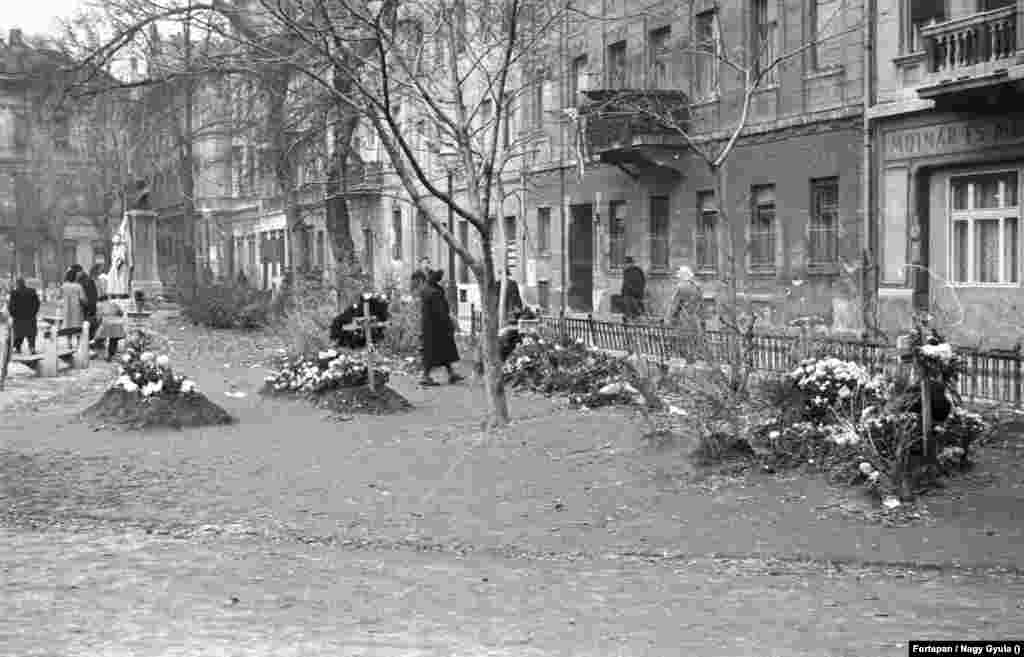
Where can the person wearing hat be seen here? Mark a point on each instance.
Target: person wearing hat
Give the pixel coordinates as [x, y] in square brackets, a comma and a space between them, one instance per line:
[634, 287]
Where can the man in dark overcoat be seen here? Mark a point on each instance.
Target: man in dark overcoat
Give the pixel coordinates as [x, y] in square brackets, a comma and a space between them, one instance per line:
[23, 308]
[437, 331]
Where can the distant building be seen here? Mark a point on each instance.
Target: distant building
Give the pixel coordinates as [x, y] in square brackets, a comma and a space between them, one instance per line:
[46, 219]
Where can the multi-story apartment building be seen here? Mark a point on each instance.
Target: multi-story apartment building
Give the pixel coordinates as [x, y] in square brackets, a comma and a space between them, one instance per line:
[46, 221]
[793, 181]
[948, 163]
[589, 194]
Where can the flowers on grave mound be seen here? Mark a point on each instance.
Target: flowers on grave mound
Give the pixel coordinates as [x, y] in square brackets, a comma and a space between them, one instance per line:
[328, 371]
[830, 385]
[150, 375]
[568, 367]
[865, 428]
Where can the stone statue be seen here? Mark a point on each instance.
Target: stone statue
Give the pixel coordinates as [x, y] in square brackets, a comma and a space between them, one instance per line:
[119, 276]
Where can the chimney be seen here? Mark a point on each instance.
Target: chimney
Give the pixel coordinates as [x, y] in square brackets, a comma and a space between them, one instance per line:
[14, 38]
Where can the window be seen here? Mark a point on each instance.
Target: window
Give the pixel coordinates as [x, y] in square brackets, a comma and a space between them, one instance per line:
[396, 234]
[544, 294]
[617, 65]
[577, 79]
[765, 35]
[506, 120]
[464, 240]
[706, 242]
[706, 57]
[985, 235]
[658, 233]
[918, 14]
[511, 243]
[537, 100]
[659, 57]
[827, 24]
[616, 233]
[422, 235]
[762, 230]
[486, 110]
[459, 25]
[368, 247]
[823, 231]
[321, 251]
[543, 231]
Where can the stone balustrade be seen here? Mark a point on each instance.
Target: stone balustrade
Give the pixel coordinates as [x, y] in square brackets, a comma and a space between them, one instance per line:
[972, 45]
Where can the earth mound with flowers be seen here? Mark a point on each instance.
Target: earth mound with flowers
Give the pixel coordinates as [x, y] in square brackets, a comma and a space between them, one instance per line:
[148, 394]
[588, 377]
[338, 382]
[866, 428]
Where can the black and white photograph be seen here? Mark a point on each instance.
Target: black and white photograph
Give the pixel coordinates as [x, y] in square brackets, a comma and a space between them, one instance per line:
[511, 328]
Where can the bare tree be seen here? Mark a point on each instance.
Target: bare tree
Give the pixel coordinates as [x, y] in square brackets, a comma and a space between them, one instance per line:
[437, 81]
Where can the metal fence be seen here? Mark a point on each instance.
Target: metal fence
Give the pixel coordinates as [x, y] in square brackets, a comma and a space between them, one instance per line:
[989, 376]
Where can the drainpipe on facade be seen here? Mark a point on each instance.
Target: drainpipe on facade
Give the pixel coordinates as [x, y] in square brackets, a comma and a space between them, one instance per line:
[868, 296]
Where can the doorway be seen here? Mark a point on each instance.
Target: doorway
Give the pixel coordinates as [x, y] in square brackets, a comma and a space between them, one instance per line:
[581, 258]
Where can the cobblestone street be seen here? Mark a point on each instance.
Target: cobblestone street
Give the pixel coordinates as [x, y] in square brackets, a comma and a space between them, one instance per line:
[565, 534]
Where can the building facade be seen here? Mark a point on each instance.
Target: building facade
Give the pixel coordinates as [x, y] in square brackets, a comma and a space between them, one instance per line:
[602, 189]
[947, 165]
[46, 221]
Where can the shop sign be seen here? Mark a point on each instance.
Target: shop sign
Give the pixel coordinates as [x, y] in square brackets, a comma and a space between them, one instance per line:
[955, 137]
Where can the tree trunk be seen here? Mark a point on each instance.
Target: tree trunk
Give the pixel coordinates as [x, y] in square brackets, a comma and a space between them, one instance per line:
[339, 220]
[494, 381]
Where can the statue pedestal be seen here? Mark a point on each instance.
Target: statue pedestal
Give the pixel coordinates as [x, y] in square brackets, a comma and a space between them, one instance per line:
[146, 274]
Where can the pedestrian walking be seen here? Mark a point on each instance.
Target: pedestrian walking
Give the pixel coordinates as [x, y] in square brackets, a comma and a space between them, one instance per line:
[437, 331]
[513, 300]
[73, 302]
[419, 275]
[111, 329]
[23, 307]
[634, 287]
[88, 283]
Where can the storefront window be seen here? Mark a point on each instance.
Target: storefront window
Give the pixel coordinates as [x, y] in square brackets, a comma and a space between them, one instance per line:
[985, 236]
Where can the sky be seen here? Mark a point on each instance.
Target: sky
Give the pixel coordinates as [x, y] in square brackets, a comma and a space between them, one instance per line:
[35, 16]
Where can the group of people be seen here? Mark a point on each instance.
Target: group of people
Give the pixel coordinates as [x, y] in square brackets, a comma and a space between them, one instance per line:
[83, 298]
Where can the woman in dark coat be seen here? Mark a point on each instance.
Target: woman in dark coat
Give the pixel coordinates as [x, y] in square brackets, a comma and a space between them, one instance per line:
[92, 298]
[437, 331]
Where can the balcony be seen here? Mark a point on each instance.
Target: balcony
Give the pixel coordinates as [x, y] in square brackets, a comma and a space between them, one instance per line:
[970, 55]
[635, 128]
[364, 179]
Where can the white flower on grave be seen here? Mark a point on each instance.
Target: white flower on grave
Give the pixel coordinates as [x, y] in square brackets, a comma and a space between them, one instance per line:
[324, 355]
[187, 386]
[774, 434]
[152, 388]
[844, 392]
[129, 386]
[127, 358]
[866, 468]
[147, 357]
[163, 361]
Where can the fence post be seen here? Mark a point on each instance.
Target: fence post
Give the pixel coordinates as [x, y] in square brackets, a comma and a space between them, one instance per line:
[590, 329]
[472, 321]
[1016, 376]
